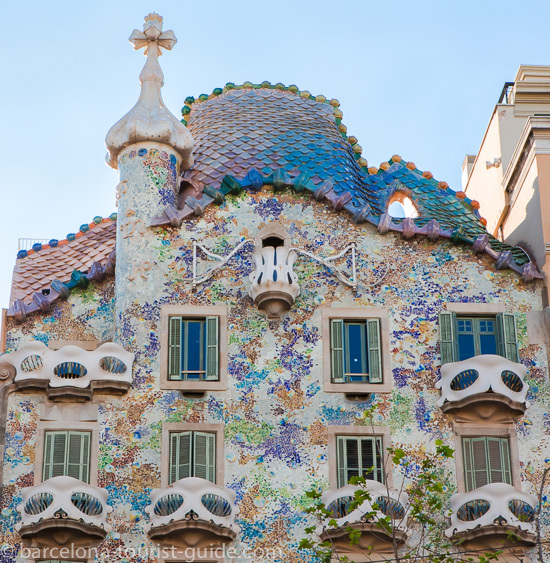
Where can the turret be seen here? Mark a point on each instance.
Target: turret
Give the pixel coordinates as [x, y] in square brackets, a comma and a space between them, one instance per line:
[149, 147]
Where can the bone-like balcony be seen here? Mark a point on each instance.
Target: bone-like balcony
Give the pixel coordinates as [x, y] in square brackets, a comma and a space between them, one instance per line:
[365, 516]
[494, 511]
[63, 510]
[71, 373]
[194, 513]
[274, 283]
[485, 386]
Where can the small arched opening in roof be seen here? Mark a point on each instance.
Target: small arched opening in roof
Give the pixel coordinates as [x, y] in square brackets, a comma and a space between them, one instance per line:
[401, 205]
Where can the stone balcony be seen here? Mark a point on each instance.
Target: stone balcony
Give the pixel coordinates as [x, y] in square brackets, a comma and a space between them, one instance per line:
[63, 511]
[192, 513]
[483, 387]
[493, 516]
[71, 373]
[370, 518]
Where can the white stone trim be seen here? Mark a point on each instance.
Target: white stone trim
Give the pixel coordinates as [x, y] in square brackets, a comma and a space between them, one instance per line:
[498, 495]
[90, 359]
[61, 488]
[192, 489]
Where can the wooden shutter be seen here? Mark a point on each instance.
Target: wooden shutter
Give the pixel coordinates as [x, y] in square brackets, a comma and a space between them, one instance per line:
[507, 344]
[212, 348]
[486, 460]
[78, 456]
[174, 348]
[337, 350]
[204, 456]
[447, 337]
[54, 454]
[342, 461]
[374, 351]
[475, 463]
[180, 455]
[498, 456]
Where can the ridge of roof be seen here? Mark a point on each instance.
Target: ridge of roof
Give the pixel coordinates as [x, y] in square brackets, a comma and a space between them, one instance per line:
[53, 243]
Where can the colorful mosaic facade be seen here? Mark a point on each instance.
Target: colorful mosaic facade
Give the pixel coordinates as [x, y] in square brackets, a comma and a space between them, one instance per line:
[275, 416]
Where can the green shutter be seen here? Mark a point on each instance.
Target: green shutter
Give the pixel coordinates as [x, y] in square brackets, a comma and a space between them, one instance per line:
[498, 457]
[67, 453]
[54, 454]
[475, 463]
[342, 462]
[447, 339]
[78, 456]
[486, 460]
[375, 355]
[174, 350]
[205, 455]
[180, 455]
[212, 350]
[507, 344]
[337, 350]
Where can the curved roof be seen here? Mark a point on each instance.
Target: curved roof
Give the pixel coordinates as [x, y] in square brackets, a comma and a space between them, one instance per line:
[261, 134]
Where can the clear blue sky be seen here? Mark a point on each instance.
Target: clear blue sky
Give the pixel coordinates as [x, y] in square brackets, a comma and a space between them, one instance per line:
[419, 79]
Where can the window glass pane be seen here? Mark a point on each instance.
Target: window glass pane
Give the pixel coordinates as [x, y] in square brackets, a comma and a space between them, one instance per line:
[356, 347]
[487, 337]
[466, 346]
[193, 348]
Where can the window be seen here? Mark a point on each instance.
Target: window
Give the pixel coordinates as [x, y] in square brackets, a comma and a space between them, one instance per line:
[359, 456]
[193, 353]
[356, 350]
[192, 454]
[67, 453]
[464, 337]
[194, 348]
[486, 460]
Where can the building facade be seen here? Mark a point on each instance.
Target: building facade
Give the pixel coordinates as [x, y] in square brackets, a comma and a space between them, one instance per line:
[176, 377]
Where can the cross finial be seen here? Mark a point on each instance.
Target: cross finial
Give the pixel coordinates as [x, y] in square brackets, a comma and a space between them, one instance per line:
[150, 119]
[152, 34]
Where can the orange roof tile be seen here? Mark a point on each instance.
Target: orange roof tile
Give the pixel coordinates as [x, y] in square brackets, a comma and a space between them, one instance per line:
[37, 270]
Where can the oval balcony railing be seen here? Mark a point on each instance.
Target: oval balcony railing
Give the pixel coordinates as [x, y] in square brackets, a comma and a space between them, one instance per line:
[485, 379]
[192, 503]
[63, 509]
[497, 506]
[77, 500]
[343, 506]
[72, 370]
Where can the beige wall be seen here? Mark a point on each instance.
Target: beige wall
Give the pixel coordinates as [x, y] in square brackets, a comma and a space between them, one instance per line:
[523, 224]
[485, 185]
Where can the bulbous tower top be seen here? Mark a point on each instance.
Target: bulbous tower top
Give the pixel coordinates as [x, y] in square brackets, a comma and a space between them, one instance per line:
[150, 119]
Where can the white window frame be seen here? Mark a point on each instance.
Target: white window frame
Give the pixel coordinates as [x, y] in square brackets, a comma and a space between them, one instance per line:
[357, 313]
[194, 312]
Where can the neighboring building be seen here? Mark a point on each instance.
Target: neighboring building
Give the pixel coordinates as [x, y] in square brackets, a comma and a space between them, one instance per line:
[187, 388]
[510, 175]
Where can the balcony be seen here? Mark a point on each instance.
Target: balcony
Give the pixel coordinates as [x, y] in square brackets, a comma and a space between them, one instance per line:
[192, 513]
[370, 518]
[493, 516]
[71, 373]
[483, 387]
[63, 511]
